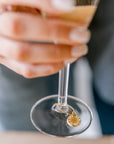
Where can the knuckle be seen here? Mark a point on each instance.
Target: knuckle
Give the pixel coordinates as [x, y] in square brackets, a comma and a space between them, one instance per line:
[28, 72]
[14, 27]
[20, 53]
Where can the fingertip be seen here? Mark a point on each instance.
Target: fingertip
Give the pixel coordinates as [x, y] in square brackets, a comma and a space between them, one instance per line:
[80, 35]
[63, 5]
[78, 51]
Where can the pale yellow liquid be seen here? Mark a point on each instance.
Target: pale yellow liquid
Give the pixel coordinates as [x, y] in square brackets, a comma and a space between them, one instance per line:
[80, 14]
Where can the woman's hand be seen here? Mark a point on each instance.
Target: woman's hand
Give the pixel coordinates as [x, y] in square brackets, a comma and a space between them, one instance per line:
[33, 59]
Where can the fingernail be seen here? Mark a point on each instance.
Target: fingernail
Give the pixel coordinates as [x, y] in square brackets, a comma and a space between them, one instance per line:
[69, 61]
[64, 5]
[81, 35]
[78, 51]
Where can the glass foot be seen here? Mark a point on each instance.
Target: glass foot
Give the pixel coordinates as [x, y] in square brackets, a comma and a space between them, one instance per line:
[48, 117]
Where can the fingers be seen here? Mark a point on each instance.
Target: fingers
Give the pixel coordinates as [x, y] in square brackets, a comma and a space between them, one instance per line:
[34, 60]
[30, 70]
[39, 53]
[50, 6]
[27, 27]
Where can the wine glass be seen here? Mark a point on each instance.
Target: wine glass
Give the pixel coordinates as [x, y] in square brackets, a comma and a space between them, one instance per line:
[63, 115]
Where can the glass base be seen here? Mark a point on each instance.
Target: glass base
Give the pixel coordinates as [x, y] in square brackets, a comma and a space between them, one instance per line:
[47, 119]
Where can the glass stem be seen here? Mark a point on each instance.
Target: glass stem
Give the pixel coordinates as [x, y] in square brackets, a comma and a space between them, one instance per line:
[63, 85]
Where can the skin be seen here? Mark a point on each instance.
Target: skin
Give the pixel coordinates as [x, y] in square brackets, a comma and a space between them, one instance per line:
[32, 59]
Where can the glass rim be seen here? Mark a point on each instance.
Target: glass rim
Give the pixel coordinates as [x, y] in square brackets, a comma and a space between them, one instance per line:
[86, 2]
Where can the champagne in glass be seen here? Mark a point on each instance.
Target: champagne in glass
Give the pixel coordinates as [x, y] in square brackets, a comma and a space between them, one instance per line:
[63, 115]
